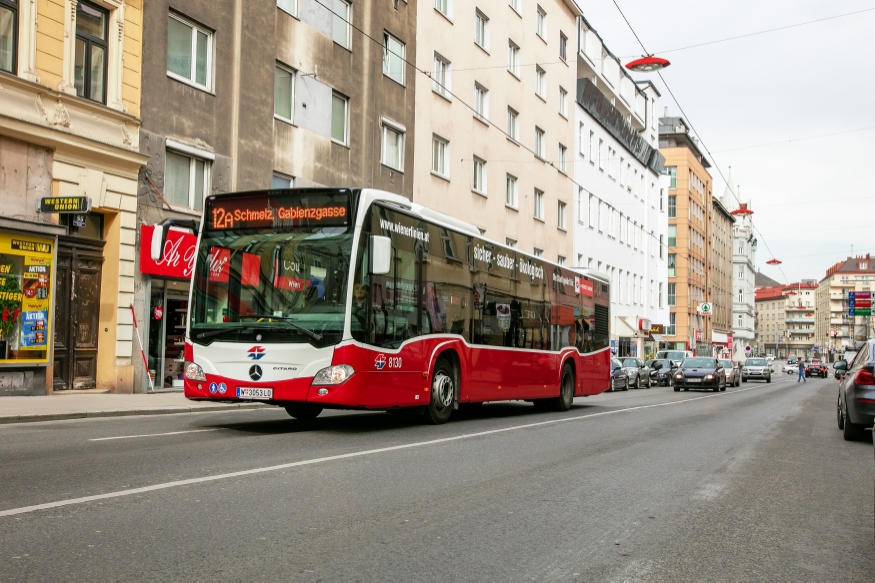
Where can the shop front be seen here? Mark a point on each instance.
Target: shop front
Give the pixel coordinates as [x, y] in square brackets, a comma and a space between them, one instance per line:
[655, 339]
[27, 291]
[722, 344]
[167, 282]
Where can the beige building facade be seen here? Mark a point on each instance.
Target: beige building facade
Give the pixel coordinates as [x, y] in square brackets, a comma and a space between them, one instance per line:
[785, 320]
[835, 327]
[69, 127]
[495, 126]
[720, 263]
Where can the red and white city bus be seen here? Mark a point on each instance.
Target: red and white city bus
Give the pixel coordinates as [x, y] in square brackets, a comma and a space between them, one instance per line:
[359, 299]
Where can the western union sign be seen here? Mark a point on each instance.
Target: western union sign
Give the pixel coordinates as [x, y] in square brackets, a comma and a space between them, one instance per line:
[65, 204]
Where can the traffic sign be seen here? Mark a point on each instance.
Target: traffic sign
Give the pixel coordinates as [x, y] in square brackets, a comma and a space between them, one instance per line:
[861, 312]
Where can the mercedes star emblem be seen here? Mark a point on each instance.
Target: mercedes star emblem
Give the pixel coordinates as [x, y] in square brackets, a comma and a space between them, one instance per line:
[255, 372]
[258, 337]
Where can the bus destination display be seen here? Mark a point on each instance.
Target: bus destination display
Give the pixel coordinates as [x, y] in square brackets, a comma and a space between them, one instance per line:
[277, 212]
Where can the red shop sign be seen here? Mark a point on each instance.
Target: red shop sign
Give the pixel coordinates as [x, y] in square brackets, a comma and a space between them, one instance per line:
[177, 261]
[584, 287]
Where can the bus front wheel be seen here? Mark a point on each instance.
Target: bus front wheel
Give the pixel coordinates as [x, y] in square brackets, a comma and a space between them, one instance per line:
[443, 391]
[303, 411]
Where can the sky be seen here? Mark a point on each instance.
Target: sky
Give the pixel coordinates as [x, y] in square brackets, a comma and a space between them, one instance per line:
[813, 201]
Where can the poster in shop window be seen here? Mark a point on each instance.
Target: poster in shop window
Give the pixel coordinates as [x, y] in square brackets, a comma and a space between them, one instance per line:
[25, 298]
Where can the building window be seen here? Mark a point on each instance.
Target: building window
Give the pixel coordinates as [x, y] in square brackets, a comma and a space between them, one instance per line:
[91, 47]
[540, 83]
[741, 296]
[393, 58]
[538, 252]
[511, 191]
[440, 149]
[673, 173]
[510, 242]
[442, 6]
[481, 30]
[8, 35]
[515, 4]
[282, 181]
[539, 143]
[340, 119]
[672, 236]
[481, 102]
[660, 246]
[189, 52]
[283, 93]
[513, 131]
[560, 218]
[659, 302]
[672, 294]
[478, 182]
[393, 147]
[563, 152]
[290, 6]
[593, 211]
[342, 29]
[741, 273]
[441, 76]
[672, 265]
[539, 205]
[593, 148]
[561, 260]
[541, 23]
[670, 329]
[186, 180]
[672, 206]
[563, 102]
[563, 47]
[513, 59]
[741, 322]
[601, 155]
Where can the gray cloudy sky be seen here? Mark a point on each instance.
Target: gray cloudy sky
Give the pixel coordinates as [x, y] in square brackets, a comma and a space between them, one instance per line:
[813, 198]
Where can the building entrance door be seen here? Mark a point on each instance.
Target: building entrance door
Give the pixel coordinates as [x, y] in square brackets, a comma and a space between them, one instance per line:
[77, 313]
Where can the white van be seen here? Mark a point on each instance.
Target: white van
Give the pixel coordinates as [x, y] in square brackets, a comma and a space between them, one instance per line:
[676, 355]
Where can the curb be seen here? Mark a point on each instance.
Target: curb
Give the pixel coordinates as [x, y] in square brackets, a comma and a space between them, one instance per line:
[33, 418]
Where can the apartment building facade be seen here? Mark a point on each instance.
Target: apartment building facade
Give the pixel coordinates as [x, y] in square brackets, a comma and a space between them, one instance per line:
[835, 327]
[720, 264]
[495, 123]
[262, 95]
[689, 217]
[620, 208]
[785, 320]
[744, 273]
[69, 130]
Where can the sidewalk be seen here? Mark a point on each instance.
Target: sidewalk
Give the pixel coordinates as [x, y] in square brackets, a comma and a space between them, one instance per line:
[54, 407]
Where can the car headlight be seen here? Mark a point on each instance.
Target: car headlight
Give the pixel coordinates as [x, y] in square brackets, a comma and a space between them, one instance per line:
[679, 377]
[194, 372]
[744, 370]
[709, 377]
[333, 375]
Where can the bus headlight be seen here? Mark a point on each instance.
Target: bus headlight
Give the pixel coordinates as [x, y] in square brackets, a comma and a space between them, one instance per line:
[194, 372]
[333, 375]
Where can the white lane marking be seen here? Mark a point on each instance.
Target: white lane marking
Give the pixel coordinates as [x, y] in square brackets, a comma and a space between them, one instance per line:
[310, 462]
[151, 434]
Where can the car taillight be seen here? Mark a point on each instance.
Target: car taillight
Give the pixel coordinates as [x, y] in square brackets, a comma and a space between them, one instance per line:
[864, 377]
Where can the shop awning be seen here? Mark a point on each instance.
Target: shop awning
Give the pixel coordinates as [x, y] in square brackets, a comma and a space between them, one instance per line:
[656, 337]
[624, 329]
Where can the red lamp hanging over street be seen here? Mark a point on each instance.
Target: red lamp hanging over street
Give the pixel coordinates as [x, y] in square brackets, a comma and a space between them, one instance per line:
[647, 64]
[774, 262]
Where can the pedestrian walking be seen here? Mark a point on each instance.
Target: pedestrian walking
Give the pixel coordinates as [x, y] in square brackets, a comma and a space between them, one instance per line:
[801, 372]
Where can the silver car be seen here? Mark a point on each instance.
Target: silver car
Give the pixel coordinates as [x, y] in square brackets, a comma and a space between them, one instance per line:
[639, 373]
[855, 410]
[732, 372]
[756, 368]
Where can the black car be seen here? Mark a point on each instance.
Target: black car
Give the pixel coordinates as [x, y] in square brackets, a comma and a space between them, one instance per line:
[619, 376]
[816, 369]
[663, 376]
[700, 373]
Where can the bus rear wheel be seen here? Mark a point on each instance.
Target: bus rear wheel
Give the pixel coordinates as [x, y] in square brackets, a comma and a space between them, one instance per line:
[566, 391]
[303, 411]
[443, 392]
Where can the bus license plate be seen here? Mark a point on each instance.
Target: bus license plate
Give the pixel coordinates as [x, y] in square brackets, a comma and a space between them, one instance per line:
[254, 393]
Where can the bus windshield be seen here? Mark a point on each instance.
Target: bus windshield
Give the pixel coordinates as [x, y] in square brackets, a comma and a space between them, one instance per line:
[273, 267]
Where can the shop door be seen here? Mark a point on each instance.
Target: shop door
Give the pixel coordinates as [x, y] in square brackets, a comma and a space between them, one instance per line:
[77, 308]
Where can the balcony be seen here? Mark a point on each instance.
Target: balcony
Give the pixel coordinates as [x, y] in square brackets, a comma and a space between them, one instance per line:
[799, 320]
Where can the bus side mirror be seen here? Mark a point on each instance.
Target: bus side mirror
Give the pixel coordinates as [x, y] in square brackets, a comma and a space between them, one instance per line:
[380, 252]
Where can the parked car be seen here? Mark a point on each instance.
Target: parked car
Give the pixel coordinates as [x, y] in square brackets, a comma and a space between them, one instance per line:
[676, 355]
[732, 372]
[756, 368]
[770, 357]
[700, 373]
[855, 408]
[639, 373]
[664, 374]
[790, 368]
[619, 376]
[816, 369]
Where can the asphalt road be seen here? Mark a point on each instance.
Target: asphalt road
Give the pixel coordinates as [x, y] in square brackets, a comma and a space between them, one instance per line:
[753, 483]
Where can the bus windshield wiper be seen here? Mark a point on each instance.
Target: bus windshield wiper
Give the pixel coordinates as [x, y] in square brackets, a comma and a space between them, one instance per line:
[288, 320]
[225, 327]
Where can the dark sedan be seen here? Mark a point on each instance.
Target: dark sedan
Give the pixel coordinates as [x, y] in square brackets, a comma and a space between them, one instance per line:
[619, 376]
[855, 410]
[664, 375]
[700, 373]
[816, 369]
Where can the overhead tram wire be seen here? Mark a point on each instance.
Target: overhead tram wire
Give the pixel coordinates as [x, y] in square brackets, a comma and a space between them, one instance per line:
[689, 123]
[470, 107]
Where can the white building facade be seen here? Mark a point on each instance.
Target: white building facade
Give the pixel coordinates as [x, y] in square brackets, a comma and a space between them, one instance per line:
[744, 246]
[620, 220]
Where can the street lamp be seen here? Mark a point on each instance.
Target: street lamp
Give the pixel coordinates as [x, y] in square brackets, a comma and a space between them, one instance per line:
[647, 64]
